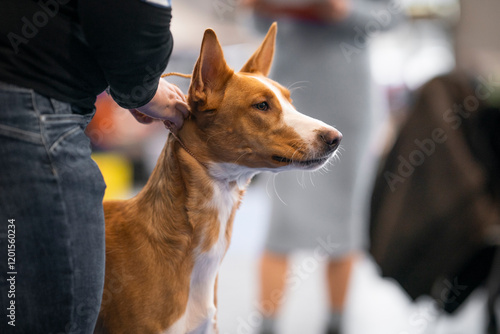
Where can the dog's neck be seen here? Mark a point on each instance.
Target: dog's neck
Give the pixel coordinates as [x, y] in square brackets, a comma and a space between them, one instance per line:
[187, 219]
[183, 191]
[196, 143]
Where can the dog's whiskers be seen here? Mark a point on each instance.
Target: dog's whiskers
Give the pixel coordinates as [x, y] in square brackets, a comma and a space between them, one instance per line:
[213, 135]
[242, 155]
[336, 155]
[300, 179]
[311, 179]
[292, 87]
[299, 149]
[273, 178]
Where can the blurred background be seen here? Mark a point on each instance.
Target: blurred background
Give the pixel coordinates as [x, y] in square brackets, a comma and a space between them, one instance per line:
[410, 251]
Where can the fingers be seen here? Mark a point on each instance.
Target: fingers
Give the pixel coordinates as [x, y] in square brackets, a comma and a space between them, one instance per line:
[168, 104]
[140, 117]
[175, 121]
[179, 105]
[180, 94]
[181, 102]
[183, 108]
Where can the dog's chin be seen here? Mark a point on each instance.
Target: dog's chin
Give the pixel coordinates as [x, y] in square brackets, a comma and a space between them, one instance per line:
[301, 164]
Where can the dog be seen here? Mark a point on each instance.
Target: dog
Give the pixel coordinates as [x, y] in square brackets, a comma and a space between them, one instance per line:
[164, 246]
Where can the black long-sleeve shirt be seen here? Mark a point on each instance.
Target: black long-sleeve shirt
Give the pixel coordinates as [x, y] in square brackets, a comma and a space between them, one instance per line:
[72, 50]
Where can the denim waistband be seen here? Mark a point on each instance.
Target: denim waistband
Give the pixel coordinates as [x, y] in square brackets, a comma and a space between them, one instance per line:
[54, 106]
[23, 109]
[13, 88]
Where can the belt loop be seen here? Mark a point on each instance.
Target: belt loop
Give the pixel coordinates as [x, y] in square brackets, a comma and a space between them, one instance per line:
[60, 107]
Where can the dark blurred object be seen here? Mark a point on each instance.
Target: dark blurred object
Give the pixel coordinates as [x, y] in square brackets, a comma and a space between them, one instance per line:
[435, 209]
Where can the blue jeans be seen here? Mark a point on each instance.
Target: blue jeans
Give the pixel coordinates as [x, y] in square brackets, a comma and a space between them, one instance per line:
[51, 217]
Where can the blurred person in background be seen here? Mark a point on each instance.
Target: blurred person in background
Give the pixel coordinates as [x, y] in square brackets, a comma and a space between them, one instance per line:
[322, 56]
[55, 58]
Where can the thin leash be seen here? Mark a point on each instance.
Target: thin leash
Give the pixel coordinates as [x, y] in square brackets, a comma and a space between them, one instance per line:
[171, 127]
[182, 75]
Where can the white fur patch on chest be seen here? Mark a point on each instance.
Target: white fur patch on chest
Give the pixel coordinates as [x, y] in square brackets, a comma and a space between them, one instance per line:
[199, 317]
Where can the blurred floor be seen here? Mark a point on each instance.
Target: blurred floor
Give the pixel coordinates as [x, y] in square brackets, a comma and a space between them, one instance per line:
[375, 305]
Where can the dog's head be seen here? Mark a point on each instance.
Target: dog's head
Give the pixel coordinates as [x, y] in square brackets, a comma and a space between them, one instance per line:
[245, 122]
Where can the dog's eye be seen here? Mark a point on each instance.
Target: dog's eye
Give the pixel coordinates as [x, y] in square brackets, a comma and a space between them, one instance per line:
[262, 106]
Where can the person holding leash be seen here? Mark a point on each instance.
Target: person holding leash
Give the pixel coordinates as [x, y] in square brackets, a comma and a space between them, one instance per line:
[56, 56]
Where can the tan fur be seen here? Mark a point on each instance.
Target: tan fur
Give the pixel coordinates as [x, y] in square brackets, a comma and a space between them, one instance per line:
[153, 239]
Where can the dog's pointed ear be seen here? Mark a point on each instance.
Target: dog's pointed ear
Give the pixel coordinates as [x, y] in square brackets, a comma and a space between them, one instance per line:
[262, 59]
[211, 71]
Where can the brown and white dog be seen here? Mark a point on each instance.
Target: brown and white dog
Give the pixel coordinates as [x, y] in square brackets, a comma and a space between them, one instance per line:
[164, 246]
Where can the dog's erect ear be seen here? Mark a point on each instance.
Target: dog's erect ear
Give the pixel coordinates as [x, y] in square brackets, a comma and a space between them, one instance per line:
[211, 71]
[262, 59]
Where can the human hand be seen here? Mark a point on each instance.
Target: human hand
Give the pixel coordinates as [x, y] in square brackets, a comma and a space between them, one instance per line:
[168, 105]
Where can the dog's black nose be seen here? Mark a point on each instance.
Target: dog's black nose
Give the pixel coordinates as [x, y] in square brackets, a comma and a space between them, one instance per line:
[331, 137]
